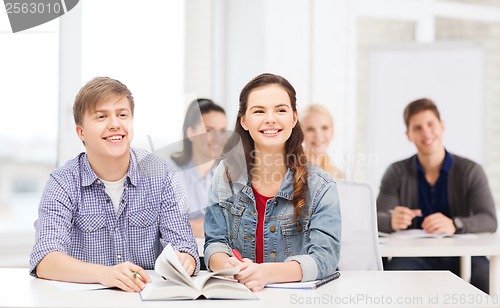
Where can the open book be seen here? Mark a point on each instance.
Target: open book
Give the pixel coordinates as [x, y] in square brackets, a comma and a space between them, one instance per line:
[179, 285]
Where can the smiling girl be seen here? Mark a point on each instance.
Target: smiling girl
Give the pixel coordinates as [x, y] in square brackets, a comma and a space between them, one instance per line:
[279, 211]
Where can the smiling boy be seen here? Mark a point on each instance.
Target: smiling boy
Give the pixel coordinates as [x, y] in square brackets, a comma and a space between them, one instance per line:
[437, 191]
[106, 215]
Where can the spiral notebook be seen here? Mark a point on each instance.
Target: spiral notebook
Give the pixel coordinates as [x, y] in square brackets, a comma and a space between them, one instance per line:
[304, 285]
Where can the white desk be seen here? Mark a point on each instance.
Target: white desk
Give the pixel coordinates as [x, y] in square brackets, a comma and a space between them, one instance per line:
[484, 244]
[353, 289]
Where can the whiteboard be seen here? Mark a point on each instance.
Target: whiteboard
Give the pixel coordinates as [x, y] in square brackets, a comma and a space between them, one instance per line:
[452, 75]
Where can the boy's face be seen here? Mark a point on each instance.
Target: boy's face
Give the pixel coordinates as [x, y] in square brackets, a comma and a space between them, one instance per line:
[426, 131]
[107, 131]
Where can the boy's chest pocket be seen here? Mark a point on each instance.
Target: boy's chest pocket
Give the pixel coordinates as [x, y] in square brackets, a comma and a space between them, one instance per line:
[142, 219]
[90, 223]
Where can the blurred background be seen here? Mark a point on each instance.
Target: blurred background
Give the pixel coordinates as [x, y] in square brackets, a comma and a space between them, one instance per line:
[362, 59]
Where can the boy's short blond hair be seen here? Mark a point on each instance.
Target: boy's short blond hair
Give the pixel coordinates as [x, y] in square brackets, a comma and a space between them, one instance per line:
[97, 90]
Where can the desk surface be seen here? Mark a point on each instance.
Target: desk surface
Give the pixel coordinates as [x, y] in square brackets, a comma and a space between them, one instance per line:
[483, 244]
[352, 289]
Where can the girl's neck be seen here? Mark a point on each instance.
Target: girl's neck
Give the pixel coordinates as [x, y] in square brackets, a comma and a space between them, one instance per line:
[268, 172]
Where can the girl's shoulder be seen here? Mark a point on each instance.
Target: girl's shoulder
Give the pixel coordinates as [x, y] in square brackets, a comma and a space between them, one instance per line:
[317, 175]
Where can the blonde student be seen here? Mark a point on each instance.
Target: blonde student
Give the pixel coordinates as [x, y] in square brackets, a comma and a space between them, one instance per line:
[105, 216]
[317, 123]
[280, 212]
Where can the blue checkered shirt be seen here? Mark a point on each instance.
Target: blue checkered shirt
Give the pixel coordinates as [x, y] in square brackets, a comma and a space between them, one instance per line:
[77, 217]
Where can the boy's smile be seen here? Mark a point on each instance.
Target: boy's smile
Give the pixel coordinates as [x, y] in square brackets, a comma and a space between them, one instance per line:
[107, 131]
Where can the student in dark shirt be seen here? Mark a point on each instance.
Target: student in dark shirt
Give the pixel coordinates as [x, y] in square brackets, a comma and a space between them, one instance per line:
[436, 191]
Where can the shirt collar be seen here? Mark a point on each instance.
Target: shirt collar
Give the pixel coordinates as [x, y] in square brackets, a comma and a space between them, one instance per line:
[445, 167]
[89, 177]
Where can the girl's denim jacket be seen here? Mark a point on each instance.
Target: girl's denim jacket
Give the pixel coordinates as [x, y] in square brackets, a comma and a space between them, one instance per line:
[313, 240]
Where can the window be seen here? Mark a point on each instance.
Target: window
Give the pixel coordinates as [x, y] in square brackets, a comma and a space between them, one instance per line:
[28, 121]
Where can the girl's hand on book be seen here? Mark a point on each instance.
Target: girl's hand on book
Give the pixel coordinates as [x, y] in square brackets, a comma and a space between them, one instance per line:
[251, 274]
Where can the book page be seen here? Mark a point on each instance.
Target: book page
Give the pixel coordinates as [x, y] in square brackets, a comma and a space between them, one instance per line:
[204, 276]
[168, 290]
[168, 265]
[218, 287]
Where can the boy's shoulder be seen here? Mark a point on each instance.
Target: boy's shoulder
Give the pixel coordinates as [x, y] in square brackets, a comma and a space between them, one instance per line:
[74, 173]
[149, 164]
[71, 167]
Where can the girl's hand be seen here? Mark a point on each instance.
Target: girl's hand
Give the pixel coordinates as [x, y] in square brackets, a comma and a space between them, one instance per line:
[252, 275]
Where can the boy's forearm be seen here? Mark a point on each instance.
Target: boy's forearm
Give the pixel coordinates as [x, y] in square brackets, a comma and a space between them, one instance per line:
[59, 266]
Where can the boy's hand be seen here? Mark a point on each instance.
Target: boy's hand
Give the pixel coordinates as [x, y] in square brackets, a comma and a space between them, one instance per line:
[126, 276]
[187, 262]
[438, 223]
[402, 216]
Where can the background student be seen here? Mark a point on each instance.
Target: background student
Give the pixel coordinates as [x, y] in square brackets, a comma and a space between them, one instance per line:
[106, 215]
[204, 134]
[280, 212]
[317, 123]
[449, 192]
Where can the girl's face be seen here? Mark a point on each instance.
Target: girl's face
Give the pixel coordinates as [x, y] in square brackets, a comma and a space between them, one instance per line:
[318, 132]
[269, 118]
[209, 135]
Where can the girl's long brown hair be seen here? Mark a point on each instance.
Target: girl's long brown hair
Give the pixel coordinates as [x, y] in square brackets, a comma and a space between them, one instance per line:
[294, 153]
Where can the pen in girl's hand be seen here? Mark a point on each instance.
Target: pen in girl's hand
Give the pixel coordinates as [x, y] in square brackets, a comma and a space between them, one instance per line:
[237, 254]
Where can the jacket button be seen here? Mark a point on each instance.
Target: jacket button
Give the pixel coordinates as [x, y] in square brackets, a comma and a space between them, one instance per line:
[298, 227]
[108, 200]
[272, 228]
[272, 255]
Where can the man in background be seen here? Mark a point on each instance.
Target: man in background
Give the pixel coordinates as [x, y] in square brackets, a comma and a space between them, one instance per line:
[436, 191]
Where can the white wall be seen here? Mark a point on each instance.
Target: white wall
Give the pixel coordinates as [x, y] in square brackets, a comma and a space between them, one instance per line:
[452, 75]
[307, 42]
